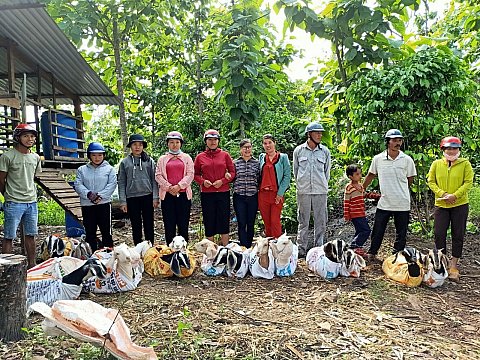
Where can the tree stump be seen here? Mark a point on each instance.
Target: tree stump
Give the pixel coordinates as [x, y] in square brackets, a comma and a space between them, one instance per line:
[13, 296]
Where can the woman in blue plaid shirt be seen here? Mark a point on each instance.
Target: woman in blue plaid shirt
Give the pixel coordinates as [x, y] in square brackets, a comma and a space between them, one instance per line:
[245, 192]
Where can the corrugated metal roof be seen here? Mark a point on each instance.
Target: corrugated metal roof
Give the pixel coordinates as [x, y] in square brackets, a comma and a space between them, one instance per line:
[38, 37]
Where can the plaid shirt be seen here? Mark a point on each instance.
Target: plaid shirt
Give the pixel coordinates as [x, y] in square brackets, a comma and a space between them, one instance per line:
[247, 176]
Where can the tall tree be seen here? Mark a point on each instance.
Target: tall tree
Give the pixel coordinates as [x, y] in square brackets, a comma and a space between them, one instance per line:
[245, 63]
[108, 26]
[358, 33]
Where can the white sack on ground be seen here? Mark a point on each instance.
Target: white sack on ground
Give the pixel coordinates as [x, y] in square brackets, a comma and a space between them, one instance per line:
[90, 322]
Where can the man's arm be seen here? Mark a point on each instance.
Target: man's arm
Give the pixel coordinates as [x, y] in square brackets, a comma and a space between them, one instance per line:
[368, 179]
[410, 180]
[3, 178]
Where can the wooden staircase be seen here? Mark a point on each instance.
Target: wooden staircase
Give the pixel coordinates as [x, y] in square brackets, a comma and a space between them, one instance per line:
[55, 185]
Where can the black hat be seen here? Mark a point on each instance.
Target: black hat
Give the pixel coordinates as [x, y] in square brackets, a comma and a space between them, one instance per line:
[137, 137]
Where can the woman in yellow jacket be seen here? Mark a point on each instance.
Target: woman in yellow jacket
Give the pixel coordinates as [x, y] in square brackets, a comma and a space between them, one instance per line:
[450, 178]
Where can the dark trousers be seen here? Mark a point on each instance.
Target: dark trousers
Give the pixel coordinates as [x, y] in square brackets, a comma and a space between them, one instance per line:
[246, 210]
[101, 216]
[400, 219]
[362, 232]
[140, 210]
[455, 217]
[176, 214]
[216, 212]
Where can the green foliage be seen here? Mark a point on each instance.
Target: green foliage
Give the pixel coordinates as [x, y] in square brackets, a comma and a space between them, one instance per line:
[246, 65]
[50, 213]
[289, 211]
[427, 96]
[183, 323]
[358, 36]
[460, 27]
[474, 203]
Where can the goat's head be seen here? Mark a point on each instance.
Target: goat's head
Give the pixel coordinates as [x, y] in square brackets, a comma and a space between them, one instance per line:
[334, 250]
[122, 253]
[207, 247]
[54, 245]
[97, 268]
[438, 260]
[283, 245]
[178, 244]
[263, 245]
[349, 258]
[412, 255]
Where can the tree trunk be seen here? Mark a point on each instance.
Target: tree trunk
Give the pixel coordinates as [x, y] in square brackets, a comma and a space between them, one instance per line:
[13, 296]
[121, 96]
[198, 69]
[340, 59]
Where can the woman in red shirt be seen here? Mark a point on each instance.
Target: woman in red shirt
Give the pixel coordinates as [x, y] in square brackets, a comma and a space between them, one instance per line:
[275, 178]
[214, 170]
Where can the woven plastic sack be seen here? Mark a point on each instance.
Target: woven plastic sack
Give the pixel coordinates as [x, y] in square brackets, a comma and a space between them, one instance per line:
[397, 270]
[156, 266]
[318, 263]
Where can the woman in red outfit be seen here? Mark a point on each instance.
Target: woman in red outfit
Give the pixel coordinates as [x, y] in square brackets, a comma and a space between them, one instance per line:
[214, 170]
[275, 180]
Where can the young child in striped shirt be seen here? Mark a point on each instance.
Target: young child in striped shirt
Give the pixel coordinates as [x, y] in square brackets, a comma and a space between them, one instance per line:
[354, 208]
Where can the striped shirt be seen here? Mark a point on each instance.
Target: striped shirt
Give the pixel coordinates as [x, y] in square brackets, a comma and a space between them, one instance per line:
[353, 201]
[247, 176]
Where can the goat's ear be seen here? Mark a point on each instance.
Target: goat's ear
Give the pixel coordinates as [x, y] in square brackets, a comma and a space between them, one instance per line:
[328, 248]
[360, 261]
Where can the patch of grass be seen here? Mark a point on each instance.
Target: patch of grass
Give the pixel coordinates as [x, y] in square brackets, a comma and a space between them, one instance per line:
[50, 213]
[381, 290]
[90, 352]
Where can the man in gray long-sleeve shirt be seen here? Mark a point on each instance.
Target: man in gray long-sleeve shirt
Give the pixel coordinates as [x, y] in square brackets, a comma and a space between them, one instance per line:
[311, 168]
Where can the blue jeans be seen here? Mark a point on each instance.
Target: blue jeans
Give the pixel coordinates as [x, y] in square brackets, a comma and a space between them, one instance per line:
[246, 210]
[362, 232]
[400, 219]
[16, 212]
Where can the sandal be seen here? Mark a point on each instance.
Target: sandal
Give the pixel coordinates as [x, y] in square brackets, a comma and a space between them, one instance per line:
[454, 275]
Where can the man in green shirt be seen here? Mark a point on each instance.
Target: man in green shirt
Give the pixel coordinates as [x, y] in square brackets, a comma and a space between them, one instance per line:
[18, 167]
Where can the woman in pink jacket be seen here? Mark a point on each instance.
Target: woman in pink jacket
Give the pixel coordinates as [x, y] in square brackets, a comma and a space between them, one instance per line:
[174, 176]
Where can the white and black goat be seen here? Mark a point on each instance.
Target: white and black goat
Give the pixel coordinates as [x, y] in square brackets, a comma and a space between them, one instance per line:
[230, 260]
[92, 267]
[436, 266]
[179, 257]
[124, 268]
[405, 266]
[54, 246]
[352, 263]
[68, 287]
[326, 260]
[414, 259]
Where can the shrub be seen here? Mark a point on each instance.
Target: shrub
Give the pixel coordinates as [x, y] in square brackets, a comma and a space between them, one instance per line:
[474, 203]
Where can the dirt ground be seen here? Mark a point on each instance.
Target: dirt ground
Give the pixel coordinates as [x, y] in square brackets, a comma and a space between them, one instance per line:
[302, 317]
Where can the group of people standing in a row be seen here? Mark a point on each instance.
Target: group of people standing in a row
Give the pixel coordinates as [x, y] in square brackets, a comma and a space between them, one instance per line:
[449, 177]
[257, 185]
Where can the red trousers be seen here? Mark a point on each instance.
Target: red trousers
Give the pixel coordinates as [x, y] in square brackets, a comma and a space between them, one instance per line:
[270, 212]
